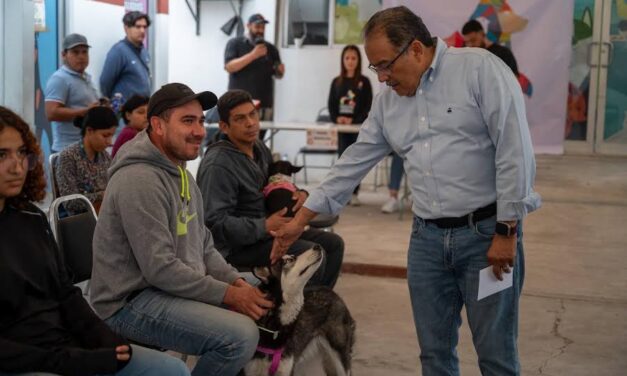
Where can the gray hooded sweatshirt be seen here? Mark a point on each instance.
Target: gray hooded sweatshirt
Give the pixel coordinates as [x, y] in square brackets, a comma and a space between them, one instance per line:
[150, 233]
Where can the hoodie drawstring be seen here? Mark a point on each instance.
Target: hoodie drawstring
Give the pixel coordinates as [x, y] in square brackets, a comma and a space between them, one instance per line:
[185, 193]
[183, 217]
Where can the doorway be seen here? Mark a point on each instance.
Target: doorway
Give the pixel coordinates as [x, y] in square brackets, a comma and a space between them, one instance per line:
[596, 121]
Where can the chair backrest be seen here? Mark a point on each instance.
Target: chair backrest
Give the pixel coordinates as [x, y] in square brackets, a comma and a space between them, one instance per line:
[74, 236]
[323, 116]
[52, 160]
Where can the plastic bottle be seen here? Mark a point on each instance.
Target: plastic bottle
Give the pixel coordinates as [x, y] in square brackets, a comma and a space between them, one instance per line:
[116, 102]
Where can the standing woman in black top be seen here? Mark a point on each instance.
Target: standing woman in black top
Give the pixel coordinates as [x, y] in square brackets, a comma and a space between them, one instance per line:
[45, 323]
[350, 99]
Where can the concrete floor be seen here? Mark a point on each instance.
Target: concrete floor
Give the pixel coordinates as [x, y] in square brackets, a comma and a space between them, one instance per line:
[574, 303]
[573, 318]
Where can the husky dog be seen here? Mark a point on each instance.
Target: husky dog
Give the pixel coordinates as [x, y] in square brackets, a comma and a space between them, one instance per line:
[279, 191]
[304, 324]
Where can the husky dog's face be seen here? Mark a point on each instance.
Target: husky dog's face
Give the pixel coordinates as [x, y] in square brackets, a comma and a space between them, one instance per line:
[293, 272]
[296, 271]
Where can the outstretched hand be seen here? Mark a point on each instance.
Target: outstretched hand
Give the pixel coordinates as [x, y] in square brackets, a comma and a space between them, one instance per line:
[284, 238]
[276, 220]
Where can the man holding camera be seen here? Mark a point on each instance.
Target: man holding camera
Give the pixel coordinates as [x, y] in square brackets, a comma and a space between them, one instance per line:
[252, 62]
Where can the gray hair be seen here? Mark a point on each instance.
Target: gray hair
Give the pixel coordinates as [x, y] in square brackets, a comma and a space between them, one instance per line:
[400, 25]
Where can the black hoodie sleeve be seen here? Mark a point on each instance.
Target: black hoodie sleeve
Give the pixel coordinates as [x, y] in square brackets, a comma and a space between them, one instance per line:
[364, 101]
[17, 357]
[219, 187]
[333, 103]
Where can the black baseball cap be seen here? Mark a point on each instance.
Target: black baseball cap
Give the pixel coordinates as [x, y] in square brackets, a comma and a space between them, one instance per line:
[177, 94]
[257, 18]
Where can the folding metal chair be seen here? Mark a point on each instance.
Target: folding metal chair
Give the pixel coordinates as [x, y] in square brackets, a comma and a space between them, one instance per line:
[52, 160]
[74, 236]
[322, 117]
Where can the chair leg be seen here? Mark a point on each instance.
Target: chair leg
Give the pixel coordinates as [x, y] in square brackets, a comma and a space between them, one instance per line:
[295, 164]
[305, 168]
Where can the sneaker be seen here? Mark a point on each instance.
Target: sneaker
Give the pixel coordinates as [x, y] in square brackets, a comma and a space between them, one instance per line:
[390, 206]
[355, 201]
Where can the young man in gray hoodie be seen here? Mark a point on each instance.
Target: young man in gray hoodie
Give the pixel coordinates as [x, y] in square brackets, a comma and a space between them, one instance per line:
[157, 277]
[231, 177]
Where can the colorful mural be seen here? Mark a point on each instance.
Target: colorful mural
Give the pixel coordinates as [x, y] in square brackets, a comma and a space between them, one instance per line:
[578, 86]
[350, 18]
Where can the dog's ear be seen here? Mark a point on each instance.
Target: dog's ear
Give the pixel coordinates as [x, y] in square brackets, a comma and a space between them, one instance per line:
[295, 169]
[272, 169]
[263, 273]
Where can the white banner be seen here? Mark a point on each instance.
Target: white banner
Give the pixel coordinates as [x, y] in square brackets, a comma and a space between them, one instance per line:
[539, 34]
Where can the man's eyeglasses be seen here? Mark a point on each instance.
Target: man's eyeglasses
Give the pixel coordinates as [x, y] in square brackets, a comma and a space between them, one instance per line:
[387, 68]
[27, 160]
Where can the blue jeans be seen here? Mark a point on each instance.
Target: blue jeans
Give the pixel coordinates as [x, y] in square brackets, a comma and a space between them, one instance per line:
[344, 140]
[443, 275]
[396, 173]
[144, 362]
[224, 340]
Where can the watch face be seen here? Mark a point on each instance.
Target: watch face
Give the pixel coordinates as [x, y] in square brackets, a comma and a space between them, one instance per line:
[502, 229]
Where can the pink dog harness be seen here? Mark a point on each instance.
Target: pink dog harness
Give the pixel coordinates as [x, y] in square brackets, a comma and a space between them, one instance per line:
[276, 357]
[276, 182]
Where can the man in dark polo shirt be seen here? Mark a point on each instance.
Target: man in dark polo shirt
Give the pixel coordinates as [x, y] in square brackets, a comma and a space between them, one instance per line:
[252, 62]
[474, 36]
[127, 67]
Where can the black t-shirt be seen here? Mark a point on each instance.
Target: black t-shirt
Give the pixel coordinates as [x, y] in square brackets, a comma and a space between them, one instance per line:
[506, 55]
[256, 77]
[351, 98]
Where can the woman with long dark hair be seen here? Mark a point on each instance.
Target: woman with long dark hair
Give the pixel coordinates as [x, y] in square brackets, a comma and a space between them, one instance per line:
[45, 324]
[350, 98]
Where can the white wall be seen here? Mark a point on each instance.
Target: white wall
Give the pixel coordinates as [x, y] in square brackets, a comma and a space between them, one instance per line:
[161, 51]
[198, 60]
[2, 49]
[17, 61]
[304, 90]
[101, 24]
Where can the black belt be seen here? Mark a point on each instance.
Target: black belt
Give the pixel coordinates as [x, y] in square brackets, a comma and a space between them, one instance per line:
[478, 215]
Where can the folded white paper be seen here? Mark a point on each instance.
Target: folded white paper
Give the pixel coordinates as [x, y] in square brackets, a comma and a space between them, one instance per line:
[489, 284]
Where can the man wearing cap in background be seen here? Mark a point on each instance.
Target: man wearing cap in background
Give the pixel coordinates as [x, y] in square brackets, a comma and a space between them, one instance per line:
[252, 62]
[69, 92]
[157, 277]
[127, 67]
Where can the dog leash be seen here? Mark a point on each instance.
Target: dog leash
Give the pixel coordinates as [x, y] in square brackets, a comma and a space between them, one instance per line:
[276, 357]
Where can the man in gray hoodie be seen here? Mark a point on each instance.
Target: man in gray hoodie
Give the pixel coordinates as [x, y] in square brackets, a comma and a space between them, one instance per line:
[157, 277]
[231, 177]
